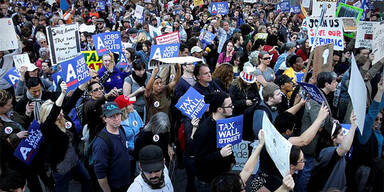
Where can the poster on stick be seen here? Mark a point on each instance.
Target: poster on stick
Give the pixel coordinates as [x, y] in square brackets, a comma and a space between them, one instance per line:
[8, 38]
[317, 6]
[364, 35]
[168, 38]
[378, 42]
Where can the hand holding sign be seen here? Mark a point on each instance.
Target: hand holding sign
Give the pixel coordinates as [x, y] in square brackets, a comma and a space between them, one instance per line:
[353, 118]
[63, 87]
[226, 151]
[261, 138]
[323, 112]
[22, 134]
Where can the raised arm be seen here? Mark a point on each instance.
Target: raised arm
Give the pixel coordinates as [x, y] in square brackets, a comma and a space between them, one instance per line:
[252, 161]
[348, 139]
[172, 84]
[294, 109]
[148, 88]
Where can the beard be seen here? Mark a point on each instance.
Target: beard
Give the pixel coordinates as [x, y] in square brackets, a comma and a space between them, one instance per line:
[160, 184]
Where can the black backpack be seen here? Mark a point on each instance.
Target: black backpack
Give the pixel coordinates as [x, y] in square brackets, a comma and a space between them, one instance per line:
[248, 134]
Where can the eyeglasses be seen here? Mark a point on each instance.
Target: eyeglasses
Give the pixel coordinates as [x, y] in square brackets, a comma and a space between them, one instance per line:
[379, 119]
[97, 89]
[229, 106]
[266, 58]
[302, 161]
[95, 77]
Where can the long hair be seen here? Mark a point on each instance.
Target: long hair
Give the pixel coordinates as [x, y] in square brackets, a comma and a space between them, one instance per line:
[45, 110]
[227, 182]
[159, 123]
[326, 138]
[225, 73]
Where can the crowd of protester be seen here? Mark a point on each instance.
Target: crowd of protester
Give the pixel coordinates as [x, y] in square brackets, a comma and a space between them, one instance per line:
[120, 131]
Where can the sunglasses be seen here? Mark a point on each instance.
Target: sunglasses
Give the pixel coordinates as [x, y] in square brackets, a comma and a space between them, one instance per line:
[266, 58]
[97, 89]
[95, 77]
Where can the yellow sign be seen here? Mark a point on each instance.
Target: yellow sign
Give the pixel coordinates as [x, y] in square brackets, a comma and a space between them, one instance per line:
[92, 60]
[197, 2]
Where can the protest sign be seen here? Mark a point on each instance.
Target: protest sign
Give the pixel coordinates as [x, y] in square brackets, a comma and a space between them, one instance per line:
[261, 36]
[364, 35]
[75, 72]
[197, 3]
[154, 31]
[192, 104]
[64, 42]
[317, 6]
[164, 51]
[249, 1]
[358, 93]
[345, 10]
[306, 3]
[282, 6]
[92, 60]
[123, 61]
[87, 28]
[219, 8]
[295, 9]
[21, 59]
[331, 31]
[277, 146]
[56, 77]
[378, 42]
[168, 38]
[139, 11]
[100, 5]
[229, 131]
[12, 76]
[323, 59]
[8, 38]
[241, 153]
[345, 128]
[29, 146]
[313, 92]
[206, 37]
[106, 42]
[349, 24]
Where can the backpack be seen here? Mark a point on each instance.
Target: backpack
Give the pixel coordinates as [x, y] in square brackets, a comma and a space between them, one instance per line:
[248, 134]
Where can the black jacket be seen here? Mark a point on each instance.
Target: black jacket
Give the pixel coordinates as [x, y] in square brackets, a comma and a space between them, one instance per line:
[239, 96]
[20, 106]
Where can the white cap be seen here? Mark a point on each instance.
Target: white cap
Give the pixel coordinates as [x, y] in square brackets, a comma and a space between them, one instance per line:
[31, 67]
[196, 49]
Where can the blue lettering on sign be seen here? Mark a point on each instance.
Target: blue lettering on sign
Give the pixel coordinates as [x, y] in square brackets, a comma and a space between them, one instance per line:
[324, 41]
[164, 51]
[313, 92]
[229, 131]
[12, 76]
[29, 146]
[100, 5]
[75, 72]
[192, 104]
[283, 6]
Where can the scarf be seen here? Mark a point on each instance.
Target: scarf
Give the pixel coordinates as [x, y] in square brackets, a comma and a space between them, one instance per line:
[38, 101]
[140, 80]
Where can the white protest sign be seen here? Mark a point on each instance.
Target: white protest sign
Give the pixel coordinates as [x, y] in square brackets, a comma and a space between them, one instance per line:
[277, 146]
[168, 38]
[87, 28]
[364, 35]
[249, 1]
[8, 38]
[154, 31]
[358, 94]
[318, 4]
[139, 11]
[378, 42]
[64, 42]
[20, 60]
[306, 3]
[241, 153]
[330, 32]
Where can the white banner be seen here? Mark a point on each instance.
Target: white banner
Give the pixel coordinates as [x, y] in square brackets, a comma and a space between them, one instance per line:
[8, 38]
[364, 35]
[64, 42]
[139, 12]
[20, 60]
[168, 38]
[378, 42]
[318, 4]
[358, 93]
[277, 146]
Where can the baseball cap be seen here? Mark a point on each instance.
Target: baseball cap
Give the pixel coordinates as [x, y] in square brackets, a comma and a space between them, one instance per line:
[151, 158]
[196, 49]
[123, 101]
[132, 31]
[31, 67]
[282, 80]
[110, 109]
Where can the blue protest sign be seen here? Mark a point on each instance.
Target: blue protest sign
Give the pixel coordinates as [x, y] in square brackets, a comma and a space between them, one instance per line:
[219, 8]
[106, 42]
[345, 128]
[109, 2]
[164, 51]
[12, 76]
[100, 5]
[313, 91]
[206, 37]
[75, 72]
[192, 104]
[56, 77]
[229, 131]
[295, 9]
[29, 146]
[123, 61]
[282, 6]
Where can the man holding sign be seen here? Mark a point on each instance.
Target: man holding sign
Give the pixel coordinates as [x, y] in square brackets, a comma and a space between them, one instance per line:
[210, 160]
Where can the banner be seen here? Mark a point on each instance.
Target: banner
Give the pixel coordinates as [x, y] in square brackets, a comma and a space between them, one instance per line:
[65, 4]
[317, 6]
[21, 59]
[8, 38]
[364, 35]
[331, 31]
[219, 8]
[345, 10]
[277, 146]
[92, 60]
[241, 153]
[282, 6]
[168, 38]
[100, 5]
[75, 72]
[107, 42]
[206, 37]
[358, 94]
[164, 51]
[12, 76]
[29, 146]
[306, 3]
[378, 42]
[322, 59]
[64, 42]
[313, 92]
[192, 104]
[229, 131]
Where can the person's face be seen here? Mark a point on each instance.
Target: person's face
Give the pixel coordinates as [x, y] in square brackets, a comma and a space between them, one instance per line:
[158, 85]
[33, 73]
[236, 62]
[336, 59]
[35, 91]
[7, 107]
[205, 74]
[153, 177]
[185, 52]
[229, 47]
[197, 54]
[332, 86]
[60, 22]
[226, 26]
[299, 63]
[139, 72]
[266, 59]
[113, 121]
[210, 28]
[339, 138]
[307, 44]
[97, 91]
[45, 67]
[365, 52]
[189, 67]
[89, 40]
[107, 61]
[227, 107]
[277, 97]
[250, 20]
[300, 162]
[288, 87]
[284, 21]
[146, 28]
[205, 17]
[378, 121]
[176, 25]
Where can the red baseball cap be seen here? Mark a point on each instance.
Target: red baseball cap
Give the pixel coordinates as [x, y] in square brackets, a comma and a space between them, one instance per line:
[123, 101]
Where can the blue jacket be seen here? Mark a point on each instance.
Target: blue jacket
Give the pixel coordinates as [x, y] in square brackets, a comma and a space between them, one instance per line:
[131, 127]
[116, 79]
